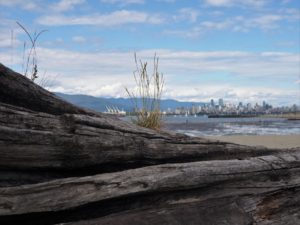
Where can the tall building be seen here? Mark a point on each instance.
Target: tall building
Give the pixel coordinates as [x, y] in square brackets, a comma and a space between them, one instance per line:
[221, 102]
[212, 103]
[249, 106]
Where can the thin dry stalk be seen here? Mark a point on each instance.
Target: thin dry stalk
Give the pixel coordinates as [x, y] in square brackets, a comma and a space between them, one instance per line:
[31, 58]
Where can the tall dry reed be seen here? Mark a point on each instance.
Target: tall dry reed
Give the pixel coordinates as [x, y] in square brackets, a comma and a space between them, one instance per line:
[147, 95]
[30, 65]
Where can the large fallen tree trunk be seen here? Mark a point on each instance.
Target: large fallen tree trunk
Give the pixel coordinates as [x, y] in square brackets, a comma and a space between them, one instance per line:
[73, 141]
[72, 192]
[60, 163]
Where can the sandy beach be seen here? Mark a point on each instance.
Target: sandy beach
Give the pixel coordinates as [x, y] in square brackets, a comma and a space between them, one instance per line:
[270, 141]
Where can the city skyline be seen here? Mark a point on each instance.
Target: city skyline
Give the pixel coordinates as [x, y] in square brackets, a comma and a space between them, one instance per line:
[222, 108]
[235, 50]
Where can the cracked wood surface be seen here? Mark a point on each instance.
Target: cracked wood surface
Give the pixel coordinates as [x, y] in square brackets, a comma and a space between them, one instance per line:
[73, 141]
[250, 175]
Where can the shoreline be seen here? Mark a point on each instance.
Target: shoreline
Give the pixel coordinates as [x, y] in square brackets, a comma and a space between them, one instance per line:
[269, 141]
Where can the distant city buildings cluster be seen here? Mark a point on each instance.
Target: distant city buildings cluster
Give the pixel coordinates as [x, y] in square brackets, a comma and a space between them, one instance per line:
[221, 108]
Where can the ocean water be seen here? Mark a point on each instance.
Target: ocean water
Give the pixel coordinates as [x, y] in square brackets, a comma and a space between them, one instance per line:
[203, 126]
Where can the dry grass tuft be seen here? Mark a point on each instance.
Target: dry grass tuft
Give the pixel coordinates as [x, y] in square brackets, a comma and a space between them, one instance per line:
[147, 96]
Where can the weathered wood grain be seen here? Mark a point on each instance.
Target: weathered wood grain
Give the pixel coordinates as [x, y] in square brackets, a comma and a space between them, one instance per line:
[251, 175]
[73, 141]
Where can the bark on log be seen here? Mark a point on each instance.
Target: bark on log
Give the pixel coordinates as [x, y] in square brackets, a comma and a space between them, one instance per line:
[71, 192]
[73, 141]
[63, 164]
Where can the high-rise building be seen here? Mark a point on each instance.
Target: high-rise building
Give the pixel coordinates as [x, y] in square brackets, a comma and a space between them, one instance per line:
[194, 110]
[221, 102]
[212, 103]
[249, 106]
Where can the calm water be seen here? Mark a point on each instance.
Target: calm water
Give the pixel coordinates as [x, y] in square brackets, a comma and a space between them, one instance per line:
[203, 126]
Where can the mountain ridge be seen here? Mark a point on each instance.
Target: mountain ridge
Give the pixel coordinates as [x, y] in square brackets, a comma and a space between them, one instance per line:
[100, 103]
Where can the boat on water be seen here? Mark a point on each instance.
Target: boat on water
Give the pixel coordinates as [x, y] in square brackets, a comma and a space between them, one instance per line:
[114, 110]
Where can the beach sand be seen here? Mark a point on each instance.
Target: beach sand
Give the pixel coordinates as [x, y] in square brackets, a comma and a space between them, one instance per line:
[269, 141]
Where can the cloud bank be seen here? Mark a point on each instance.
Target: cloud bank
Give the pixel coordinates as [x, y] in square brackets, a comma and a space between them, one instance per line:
[190, 75]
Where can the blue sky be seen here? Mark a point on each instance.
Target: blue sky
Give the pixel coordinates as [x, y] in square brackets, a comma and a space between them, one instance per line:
[239, 50]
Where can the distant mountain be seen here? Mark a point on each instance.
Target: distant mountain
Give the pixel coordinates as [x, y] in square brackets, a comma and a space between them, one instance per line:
[99, 103]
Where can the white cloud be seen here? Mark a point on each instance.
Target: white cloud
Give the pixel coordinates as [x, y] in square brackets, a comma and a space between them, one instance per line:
[201, 29]
[265, 64]
[219, 2]
[188, 14]
[65, 5]
[232, 93]
[9, 32]
[79, 39]
[264, 22]
[95, 88]
[229, 3]
[215, 25]
[291, 14]
[5, 40]
[111, 19]
[167, 1]
[123, 2]
[187, 73]
[27, 5]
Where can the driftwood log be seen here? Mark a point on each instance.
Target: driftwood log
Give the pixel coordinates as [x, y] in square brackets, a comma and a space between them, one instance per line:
[61, 164]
